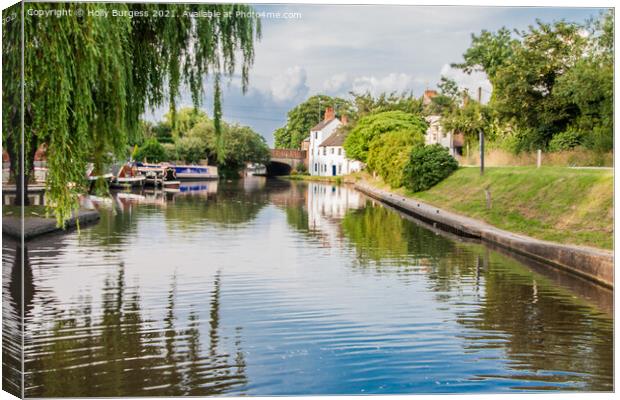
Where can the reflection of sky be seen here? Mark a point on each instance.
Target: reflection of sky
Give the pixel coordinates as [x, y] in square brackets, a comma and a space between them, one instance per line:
[311, 319]
[337, 49]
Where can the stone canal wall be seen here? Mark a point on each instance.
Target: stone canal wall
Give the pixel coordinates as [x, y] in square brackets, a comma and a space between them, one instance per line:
[34, 226]
[594, 264]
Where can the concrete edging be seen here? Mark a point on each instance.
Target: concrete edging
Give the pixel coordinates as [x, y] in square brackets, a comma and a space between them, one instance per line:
[593, 264]
[34, 227]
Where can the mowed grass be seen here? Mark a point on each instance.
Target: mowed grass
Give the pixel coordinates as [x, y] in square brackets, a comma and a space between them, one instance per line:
[565, 205]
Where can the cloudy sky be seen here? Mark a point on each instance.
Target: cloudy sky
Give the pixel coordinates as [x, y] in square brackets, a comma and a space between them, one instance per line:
[337, 49]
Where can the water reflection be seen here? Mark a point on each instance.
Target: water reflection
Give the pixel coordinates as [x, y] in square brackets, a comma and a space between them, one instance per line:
[275, 287]
[117, 351]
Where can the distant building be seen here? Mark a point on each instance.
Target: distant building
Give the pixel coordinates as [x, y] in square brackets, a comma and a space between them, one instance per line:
[448, 139]
[326, 152]
[428, 96]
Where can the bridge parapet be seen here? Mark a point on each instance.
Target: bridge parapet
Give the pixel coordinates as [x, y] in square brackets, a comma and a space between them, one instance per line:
[288, 153]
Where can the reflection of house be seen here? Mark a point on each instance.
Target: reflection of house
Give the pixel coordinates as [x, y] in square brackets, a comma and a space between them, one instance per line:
[327, 205]
[448, 139]
[325, 150]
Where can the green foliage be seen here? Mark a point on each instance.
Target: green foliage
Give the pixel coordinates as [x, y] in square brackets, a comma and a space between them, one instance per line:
[428, 165]
[151, 151]
[190, 149]
[371, 126]
[306, 115]
[488, 52]
[300, 168]
[103, 72]
[366, 104]
[548, 80]
[389, 154]
[183, 120]
[470, 119]
[231, 150]
[565, 141]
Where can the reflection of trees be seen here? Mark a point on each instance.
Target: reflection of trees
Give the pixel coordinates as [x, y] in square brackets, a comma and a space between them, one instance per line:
[12, 312]
[230, 206]
[542, 327]
[117, 222]
[119, 353]
[380, 234]
[547, 328]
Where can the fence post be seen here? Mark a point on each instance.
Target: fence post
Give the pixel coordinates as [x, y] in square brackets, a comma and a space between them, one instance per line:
[538, 158]
[481, 136]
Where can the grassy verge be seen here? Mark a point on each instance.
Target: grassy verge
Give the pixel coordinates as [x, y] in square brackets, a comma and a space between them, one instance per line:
[564, 205]
[332, 179]
[29, 211]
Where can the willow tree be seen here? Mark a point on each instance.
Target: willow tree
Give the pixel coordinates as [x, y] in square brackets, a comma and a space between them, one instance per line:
[87, 79]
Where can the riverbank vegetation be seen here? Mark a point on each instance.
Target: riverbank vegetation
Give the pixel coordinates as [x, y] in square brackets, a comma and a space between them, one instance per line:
[98, 97]
[189, 136]
[564, 205]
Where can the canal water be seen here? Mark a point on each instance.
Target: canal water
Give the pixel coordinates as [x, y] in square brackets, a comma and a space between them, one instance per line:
[266, 287]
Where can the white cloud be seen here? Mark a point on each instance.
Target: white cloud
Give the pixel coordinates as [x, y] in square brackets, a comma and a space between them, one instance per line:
[389, 83]
[290, 85]
[336, 84]
[471, 82]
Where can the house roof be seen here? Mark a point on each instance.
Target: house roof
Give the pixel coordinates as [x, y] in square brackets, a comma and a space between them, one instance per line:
[322, 124]
[335, 139]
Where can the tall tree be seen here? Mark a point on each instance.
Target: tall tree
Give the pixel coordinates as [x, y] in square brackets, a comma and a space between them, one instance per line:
[88, 79]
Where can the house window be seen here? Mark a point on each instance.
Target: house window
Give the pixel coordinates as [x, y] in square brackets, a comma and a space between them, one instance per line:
[324, 150]
[316, 167]
[339, 169]
[332, 150]
[339, 151]
[316, 135]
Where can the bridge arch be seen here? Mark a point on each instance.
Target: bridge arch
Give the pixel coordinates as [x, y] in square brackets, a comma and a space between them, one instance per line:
[283, 161]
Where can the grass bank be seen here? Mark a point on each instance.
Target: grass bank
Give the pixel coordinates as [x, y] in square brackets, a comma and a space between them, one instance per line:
[564, 205]
[332, 179]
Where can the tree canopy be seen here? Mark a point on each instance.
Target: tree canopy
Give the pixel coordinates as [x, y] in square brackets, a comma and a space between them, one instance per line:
[358, 141]
[306, 115]
[550, 79]
[88, 79]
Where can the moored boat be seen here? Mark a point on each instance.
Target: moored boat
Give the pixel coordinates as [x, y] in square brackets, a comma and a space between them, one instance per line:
[184, 172]
[195, 172]
[127, 177]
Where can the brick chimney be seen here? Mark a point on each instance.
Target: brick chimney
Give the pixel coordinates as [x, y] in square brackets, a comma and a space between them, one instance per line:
[344, 119]
[329, 114]
[428, 95]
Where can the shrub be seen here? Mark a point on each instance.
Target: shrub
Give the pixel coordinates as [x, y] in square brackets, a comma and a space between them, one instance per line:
[358, 141]
[191, 149]
[301, 169]
[151, 151]
[389, 153]
[428, 165]
[565, 140]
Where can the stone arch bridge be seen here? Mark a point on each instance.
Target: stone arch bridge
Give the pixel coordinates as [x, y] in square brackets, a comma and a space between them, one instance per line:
[283, 161]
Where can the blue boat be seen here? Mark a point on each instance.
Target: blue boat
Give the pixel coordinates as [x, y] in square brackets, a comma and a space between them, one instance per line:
[185, 172]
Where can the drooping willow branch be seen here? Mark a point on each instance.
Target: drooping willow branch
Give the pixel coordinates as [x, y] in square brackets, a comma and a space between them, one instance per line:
[89, 79]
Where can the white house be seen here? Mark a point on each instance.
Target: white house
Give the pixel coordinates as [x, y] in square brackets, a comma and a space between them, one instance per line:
[448, 139]
[326, 152]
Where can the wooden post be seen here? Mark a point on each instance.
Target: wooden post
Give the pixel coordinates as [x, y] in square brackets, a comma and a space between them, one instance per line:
[538, 158]
[479, 94]
[481, 136]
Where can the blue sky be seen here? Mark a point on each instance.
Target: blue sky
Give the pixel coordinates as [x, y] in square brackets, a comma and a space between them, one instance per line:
[336, 49]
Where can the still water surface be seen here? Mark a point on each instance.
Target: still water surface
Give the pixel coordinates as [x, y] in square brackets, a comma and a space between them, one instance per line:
[270, 287]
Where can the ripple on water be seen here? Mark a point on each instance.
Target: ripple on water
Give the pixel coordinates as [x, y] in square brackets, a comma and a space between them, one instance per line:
[277, 291]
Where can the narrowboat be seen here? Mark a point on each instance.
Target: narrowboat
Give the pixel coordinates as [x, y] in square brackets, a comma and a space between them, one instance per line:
[127, 177]
[184, 172]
